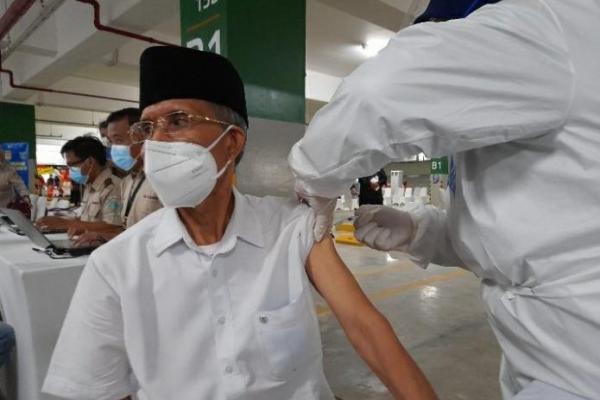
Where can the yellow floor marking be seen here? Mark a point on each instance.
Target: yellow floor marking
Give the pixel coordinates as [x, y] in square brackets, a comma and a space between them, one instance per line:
[345, 228]
[348, 239]
[323, 311]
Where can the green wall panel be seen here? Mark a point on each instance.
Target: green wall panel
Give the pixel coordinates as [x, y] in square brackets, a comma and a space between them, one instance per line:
[265, 40]
[17, 124]
[204, 24]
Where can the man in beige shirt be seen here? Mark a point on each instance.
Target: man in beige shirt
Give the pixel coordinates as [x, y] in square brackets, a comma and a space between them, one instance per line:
[137, 196]
[101, 204]
[10, 182]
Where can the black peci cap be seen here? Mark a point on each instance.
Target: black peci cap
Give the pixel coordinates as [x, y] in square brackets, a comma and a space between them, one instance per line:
[169, 72]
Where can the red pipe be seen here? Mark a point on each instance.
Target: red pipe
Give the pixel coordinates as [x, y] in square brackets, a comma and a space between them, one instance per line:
[117, 31]
[40, 89]
[13, 13]
[20, 7]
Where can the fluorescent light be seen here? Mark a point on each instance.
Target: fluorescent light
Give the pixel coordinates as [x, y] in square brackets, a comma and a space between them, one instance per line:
[429, 292]
[371, 47]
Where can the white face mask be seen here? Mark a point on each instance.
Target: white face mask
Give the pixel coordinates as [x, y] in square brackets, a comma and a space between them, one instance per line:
[182, 174]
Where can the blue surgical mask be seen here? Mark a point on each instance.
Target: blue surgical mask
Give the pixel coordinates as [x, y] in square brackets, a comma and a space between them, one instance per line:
[76, 175]
[121, 157]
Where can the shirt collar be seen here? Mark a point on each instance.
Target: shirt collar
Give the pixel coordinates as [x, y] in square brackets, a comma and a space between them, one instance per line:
[98, 183]
[244, 224]
[136, 172]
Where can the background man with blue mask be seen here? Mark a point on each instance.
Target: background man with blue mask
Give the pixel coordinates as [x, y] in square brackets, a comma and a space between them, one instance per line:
[137, 196]
[124, 154]
[101, 203]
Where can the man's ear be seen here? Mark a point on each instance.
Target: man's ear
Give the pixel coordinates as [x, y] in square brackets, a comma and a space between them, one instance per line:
[135, 150]
[87, 164]
[237, 142]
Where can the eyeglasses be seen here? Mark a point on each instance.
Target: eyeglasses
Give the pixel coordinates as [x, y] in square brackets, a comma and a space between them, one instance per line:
[76, 163]
[172, 124]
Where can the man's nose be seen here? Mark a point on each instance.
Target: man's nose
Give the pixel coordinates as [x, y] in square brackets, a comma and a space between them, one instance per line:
[160, 135]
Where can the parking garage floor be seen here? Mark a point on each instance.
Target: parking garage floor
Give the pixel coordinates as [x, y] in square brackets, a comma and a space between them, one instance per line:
[438, 316]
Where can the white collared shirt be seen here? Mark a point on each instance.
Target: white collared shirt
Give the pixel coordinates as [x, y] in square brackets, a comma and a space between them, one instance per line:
[236, 323]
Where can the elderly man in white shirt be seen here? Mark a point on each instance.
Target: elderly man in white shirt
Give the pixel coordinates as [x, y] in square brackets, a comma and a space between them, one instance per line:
[209, 298]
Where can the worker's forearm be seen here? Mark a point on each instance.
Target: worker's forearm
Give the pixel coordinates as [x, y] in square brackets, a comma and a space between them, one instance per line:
[431, 242]
[377, 343]
[99, 226]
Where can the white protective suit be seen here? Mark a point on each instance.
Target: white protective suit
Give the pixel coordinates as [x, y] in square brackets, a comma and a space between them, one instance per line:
[513, 92]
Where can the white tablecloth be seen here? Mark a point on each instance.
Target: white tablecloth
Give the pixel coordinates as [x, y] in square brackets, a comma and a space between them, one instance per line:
[35, 292]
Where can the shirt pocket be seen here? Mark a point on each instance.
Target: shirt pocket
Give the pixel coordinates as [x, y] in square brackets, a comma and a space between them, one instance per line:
[288, 338]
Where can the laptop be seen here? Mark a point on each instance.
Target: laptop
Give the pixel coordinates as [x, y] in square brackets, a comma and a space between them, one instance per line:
[62, 246]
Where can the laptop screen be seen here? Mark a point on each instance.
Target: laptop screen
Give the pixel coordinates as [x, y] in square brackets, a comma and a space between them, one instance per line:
[27, 227]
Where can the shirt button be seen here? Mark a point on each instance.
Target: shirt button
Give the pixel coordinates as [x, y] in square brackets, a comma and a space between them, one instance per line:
[214, 273]
[228, 369]
[221, 320]
[263, 319]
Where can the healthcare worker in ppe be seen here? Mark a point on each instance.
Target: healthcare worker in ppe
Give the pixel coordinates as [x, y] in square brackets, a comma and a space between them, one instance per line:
[513, 94]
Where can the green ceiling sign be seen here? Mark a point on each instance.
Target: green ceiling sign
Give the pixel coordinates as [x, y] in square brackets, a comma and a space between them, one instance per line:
[204, 25]
[439, 166]
[264, 39]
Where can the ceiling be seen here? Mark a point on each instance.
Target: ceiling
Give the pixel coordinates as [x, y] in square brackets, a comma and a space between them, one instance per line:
[66, 52]
[334, 38]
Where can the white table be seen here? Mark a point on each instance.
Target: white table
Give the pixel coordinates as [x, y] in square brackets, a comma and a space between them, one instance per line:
[35, 292]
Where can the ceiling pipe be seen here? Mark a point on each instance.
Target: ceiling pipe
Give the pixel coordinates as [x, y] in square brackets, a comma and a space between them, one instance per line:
[48, 7]
[105, 28]
[13, 14]
[19, 7]
[11, 81]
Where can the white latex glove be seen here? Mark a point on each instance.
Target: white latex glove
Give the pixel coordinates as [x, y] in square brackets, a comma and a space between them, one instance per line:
[322, 208]
[384, 228]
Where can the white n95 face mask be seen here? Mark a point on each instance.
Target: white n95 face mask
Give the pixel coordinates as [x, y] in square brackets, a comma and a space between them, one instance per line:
[182, 174]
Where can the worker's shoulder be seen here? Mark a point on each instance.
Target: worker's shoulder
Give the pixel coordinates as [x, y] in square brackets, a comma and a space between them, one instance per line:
[111, 183]
[525, 16]
[112, 180]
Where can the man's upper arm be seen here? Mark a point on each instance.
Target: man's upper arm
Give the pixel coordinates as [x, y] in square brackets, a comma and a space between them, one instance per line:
[332, 279]
[431, 242]
[89, 360]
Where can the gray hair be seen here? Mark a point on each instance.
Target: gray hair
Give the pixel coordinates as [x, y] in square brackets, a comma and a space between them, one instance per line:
[226, 114]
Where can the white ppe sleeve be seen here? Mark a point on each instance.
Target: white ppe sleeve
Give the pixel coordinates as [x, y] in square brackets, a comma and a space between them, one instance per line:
[503, 74]
[89, 360]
